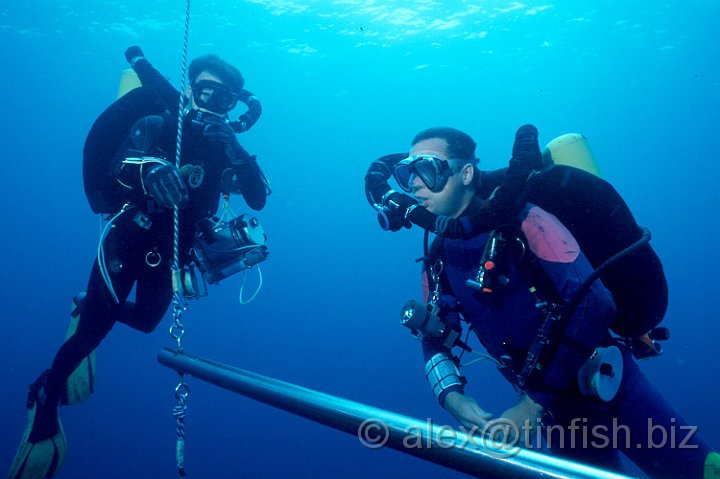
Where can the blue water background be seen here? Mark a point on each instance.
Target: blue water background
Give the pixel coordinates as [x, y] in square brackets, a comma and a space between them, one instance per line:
[342, 83]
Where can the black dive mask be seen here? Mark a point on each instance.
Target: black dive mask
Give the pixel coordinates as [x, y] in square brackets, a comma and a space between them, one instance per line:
[433, 171]
[214, 96]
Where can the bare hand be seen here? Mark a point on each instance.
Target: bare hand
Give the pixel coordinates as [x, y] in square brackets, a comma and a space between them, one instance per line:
[467, 411]
[526, 416]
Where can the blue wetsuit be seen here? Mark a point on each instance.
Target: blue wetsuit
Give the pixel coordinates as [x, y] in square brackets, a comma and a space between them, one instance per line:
[506, 322]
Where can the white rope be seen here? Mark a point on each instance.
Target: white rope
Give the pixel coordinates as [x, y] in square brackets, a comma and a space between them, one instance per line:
[177, 330]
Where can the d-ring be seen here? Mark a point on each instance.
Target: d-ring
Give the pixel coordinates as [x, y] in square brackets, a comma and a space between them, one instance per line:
[153, 258]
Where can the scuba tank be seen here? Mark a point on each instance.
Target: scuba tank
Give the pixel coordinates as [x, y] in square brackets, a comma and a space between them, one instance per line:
[603, 225]
[105, 138]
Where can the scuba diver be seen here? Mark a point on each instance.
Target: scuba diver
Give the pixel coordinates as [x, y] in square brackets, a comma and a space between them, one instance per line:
[505, 262]
[130, 174]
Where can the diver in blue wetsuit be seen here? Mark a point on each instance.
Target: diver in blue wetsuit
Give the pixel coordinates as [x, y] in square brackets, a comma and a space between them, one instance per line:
[131, 175]
[519, 279]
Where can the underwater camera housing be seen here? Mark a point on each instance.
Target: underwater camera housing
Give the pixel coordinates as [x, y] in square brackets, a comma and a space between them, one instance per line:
[222, 248]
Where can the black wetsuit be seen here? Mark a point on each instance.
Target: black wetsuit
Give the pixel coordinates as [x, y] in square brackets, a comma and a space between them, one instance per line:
[133, 247]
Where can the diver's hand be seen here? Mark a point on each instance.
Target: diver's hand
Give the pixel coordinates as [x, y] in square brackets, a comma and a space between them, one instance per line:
[165, 184]
[467, 411]
[242, 124]
[215, 128]
[377, 176]
[526, 150]
[132, 54]
[524, 418]
[395, 206]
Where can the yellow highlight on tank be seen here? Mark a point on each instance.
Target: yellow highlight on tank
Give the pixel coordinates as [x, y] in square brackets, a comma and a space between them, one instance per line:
[572, 149]
[128, 81]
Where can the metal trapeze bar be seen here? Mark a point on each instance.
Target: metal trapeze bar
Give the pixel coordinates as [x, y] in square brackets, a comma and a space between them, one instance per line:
[455, 451]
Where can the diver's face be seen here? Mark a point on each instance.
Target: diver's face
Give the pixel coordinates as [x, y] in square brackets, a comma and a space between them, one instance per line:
[456, 195]
[205, 94]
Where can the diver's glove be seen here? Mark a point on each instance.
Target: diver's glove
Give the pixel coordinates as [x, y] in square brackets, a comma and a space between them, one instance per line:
[165, 184]
[133, 54]
[243, 123]
[394, 210]
[377, 176]
[251, 116]
[216, 128]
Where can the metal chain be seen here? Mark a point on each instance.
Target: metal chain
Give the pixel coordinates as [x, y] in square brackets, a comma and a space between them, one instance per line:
[177, 330]
[435, 272]
[182, 391]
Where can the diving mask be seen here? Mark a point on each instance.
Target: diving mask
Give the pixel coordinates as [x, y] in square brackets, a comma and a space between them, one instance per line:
[214, 96]
[433, 171]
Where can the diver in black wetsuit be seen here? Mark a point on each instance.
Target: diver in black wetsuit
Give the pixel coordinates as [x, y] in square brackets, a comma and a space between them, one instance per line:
[141, 186]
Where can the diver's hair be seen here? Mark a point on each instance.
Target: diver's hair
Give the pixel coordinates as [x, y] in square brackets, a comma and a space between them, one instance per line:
[215, 65]
[460, 144]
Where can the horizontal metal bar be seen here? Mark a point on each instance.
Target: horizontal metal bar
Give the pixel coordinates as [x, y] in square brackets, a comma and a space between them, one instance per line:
[455, 451]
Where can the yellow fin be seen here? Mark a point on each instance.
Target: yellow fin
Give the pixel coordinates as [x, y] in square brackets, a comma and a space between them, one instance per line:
[41, 459]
